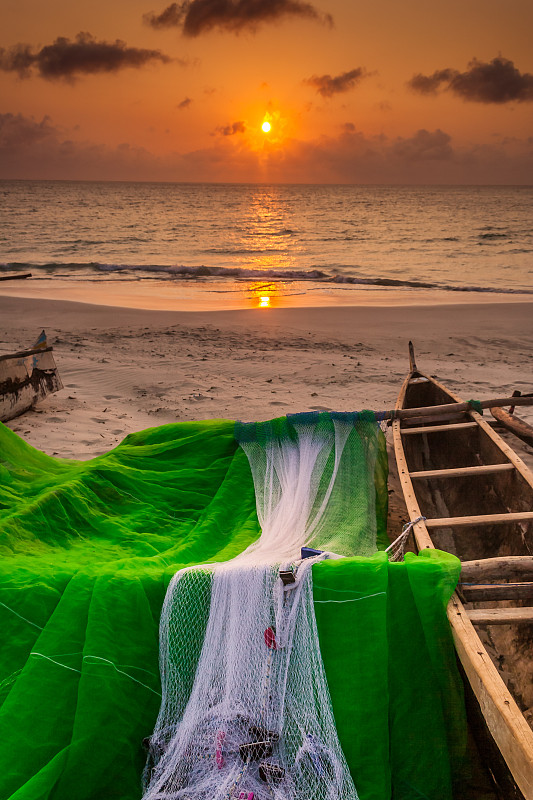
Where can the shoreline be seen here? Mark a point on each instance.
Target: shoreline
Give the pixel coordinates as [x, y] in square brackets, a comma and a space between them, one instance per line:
[205, 296]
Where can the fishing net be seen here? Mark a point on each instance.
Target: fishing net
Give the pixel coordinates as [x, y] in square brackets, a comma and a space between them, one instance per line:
[246, 710]
[88, 551]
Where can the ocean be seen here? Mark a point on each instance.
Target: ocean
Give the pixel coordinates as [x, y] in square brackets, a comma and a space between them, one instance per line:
[301, 239]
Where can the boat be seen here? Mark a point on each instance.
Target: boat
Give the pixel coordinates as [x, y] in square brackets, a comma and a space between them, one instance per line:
[467, 492]
[27, 377]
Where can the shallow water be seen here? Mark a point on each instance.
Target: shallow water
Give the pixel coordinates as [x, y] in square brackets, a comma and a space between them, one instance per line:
[274, 238]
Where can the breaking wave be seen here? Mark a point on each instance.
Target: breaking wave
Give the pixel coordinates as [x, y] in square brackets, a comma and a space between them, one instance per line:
[202, 272]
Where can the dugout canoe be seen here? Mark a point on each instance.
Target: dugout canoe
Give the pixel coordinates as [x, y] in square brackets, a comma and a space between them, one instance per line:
[27, 377]
[477, 497]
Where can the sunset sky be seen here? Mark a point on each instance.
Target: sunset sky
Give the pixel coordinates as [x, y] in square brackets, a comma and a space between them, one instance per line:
[375, 92]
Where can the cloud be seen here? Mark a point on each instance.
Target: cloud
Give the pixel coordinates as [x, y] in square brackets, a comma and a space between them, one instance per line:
[496, 81]
[185, 103]
[231, 130]
[67, 59]
[32, 149]
[195, 17]
[425, 146]
[327, 86]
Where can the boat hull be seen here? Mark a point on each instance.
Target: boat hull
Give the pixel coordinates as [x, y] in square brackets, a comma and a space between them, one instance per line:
[455, 483]
[26, 378]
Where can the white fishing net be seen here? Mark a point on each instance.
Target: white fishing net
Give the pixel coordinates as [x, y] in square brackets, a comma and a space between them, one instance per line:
[246, 711]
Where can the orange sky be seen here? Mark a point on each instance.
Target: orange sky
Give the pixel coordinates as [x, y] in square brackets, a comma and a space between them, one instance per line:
[197, 117]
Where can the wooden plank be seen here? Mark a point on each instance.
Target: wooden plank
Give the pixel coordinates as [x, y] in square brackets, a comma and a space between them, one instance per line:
[505, 721]
[514, 424]
[462, 472]
[510, 454]
[25, 353]
[501, 616]
[481, 519]
[504, 591]
[498, 568]
[420, 533]
[439, 428]
[450, 418]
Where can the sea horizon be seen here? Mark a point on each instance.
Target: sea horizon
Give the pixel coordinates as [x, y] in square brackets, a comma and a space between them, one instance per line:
[318, 242]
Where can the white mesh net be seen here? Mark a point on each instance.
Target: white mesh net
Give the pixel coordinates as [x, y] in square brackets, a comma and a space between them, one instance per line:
[246, 710]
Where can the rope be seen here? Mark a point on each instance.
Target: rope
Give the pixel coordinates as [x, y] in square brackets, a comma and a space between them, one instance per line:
[475, 405]
[406, 530]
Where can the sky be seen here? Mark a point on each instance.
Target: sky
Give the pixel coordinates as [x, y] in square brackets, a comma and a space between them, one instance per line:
[380, 92]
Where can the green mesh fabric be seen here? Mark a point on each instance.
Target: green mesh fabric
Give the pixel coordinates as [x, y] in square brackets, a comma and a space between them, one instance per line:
[88, 549]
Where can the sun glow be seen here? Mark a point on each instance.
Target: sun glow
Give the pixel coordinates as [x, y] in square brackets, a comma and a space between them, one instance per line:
[265, 127]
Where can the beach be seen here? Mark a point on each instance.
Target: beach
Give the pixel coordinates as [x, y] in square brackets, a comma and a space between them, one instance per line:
[126, 369]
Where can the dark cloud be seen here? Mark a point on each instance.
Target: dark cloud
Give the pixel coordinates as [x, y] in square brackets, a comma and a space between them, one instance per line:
[231, 130]
[195, 17]
[39, 150]
[425, 146]
[496, 81]
[185, 103]
[67, 59]
[328, 85]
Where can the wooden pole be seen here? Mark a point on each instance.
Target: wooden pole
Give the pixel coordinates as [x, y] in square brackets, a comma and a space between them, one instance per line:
[498, 568]
[15, 277]
[431, 411]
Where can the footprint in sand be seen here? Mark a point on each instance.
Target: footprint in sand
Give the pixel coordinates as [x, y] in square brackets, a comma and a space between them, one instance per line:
[319, 408]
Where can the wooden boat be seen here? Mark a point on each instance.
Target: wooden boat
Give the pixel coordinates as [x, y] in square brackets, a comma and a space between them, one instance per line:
[27, 377]
[476, 496]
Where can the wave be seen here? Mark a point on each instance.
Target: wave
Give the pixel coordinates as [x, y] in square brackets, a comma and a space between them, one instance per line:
[199, 272]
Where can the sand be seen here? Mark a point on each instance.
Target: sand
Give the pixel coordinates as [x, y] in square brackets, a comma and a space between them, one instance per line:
[125, 369]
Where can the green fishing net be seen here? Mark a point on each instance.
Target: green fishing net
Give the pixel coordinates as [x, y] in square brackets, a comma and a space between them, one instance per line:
[88, 550]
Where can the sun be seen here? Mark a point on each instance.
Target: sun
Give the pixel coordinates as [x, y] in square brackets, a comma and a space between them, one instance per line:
[265, 127]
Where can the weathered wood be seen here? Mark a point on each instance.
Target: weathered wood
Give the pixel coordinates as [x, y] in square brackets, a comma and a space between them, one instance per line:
[480, 519]
[504, 591]
[412, 362]
[462, 472]
[26, 378]
[419, 530]
[514, 424]
[449, 418]
[498, 568]
[504, 720]
[501, 616]
[15, 277]
[439, 428]
[430, 411]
